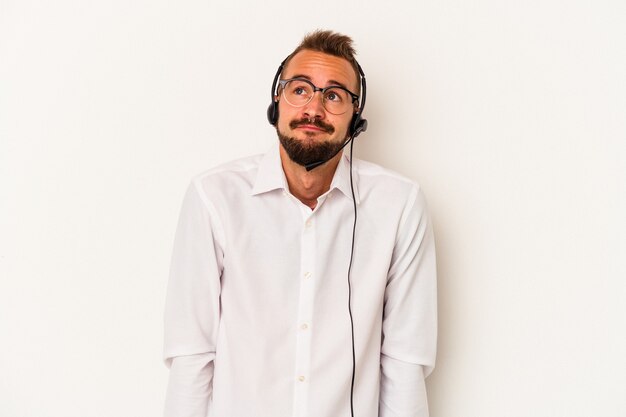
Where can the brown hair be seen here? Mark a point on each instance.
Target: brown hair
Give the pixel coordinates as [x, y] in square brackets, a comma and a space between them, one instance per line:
[331, 43]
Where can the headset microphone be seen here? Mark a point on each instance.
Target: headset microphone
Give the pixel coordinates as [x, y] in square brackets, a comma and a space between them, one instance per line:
[315, 164]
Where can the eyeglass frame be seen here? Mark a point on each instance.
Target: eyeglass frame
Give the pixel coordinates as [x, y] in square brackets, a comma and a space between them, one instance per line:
[282, 84]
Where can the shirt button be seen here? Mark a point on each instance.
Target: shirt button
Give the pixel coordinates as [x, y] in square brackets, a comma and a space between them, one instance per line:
[307, 274]
[304, 326]
[308, 223]
[301, 378]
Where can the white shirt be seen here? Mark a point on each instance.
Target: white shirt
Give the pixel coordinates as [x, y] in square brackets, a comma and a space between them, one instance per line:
[256, 317]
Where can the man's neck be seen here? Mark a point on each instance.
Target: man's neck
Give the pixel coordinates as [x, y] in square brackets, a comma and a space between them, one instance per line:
[305, 185]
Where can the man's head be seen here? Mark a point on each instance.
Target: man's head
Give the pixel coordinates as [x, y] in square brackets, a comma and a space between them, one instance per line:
[311, 126]
[330, 43]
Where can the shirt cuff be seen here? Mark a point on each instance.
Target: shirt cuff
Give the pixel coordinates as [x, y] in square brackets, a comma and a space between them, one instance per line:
[190, 385]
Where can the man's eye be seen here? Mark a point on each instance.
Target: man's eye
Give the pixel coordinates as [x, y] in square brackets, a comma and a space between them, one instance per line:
[299, 91]
[333, 96]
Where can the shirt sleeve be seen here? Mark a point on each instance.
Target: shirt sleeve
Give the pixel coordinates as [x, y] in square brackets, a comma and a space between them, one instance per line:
[189, 388]
[192, 310]
[410, 315]
[403, 389]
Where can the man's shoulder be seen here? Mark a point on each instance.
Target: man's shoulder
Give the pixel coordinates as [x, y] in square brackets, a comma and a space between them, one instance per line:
[372, 175]
[234, 175]
[240, 166]
[383, 190]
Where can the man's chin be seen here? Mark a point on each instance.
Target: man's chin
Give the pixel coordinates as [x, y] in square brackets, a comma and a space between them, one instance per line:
[309, 149]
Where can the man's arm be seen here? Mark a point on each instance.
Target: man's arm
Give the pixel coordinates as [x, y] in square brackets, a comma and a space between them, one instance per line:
[192, 306]
[410, 316]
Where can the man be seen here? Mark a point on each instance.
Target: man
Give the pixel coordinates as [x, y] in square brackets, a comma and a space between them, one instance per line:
[280, 302]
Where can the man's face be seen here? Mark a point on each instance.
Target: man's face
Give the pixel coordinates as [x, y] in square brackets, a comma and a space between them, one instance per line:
[310, 133]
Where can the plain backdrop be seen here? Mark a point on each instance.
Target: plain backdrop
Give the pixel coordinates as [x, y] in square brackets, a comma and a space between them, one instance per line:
[511, 115]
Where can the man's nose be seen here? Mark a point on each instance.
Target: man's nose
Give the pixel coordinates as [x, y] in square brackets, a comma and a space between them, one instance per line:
[315, 107]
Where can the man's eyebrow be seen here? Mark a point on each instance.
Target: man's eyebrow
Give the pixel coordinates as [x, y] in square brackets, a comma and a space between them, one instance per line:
[331, 82]
[306, 77]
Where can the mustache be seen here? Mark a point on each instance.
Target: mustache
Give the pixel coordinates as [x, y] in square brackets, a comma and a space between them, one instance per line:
[328, 128]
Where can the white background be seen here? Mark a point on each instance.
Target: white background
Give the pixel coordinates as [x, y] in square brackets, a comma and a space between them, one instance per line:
[511, 114]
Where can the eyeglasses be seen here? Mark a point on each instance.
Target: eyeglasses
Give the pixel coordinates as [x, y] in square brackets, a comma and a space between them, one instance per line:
[299, 92]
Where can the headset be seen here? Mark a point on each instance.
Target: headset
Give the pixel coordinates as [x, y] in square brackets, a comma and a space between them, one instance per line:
[357, 124]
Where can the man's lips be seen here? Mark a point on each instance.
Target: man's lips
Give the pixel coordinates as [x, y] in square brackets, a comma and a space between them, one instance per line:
[311, 127]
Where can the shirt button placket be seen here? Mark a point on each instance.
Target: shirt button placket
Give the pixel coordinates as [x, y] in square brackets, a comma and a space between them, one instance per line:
[304, 319]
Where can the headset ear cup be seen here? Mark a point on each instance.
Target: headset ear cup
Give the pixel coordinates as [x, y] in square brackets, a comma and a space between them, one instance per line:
[357, 125]
[360, 127]
[353, 123]
[272, 110]
[272, 113]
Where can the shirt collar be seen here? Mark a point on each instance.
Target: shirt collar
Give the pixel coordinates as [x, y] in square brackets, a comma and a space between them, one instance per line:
[270, 175]
[341, 179]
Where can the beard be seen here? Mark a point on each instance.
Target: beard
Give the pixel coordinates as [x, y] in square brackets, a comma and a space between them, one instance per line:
[307, 152]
